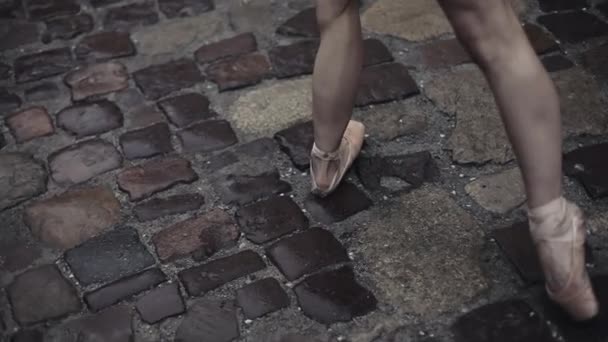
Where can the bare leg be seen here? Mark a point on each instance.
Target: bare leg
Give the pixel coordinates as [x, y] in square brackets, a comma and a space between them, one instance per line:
[335, 82]
[529, 107]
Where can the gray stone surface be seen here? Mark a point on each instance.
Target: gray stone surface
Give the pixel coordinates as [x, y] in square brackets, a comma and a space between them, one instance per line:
[498, 193]
[21, 178]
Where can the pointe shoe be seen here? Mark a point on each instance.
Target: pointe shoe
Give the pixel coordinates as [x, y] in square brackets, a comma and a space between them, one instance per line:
[559, 235]
[344, 156]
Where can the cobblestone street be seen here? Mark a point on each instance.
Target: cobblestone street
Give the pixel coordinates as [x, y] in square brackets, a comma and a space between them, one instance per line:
[154, 177]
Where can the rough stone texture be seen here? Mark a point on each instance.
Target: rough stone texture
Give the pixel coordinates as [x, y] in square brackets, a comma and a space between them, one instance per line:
[16, 33]
[541, 41]
[97, 79]
[346, 201]
[238, 45]
[68, 219]
[422, 253]
[43, 64]
[211, 320]
[21, 178]
[172, 205]
[306, 252]
[66, 28]
[160, 80]
[246, 188]
[574, 27]
[240, 71]
[161, 303]
[183, 8]
[303, 24]
[113, 325]
[596, 60]
[271, 108]
[144, 116]
[186, 109]
[179, 35]
[296, 142]
[90, 118]
[5, 71]
[208, 136]
[8, 101]
[42, 92]
[105, 45]
[498, 193]
[589, 166]
[384, 83]
[507, 321]
[208, 234]
[561, 5]
[146, 142]
[33, 303]
[83, 161]
[557, 63]
[334, 296]
[201, 279]
[109, 257]
[123, 289]
[262, 297]
[130, 16]
[411, 169]
[270, 219]
[18, 256]
[29, 124]
[145, 180]
[439, 54]
[40, 10]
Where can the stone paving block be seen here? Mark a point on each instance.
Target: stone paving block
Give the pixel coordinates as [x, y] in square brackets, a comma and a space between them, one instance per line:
[561, 5]
[183, 110]
[29, 124]
[507, 321]
[103, 3]
[123, 289]
[112, 325]
[43, 64]
[5, 71]
[439, 54]
[207, 136]
[296, 142]
[207, 277]
[155, 176]
[262, 297]
[516, 242]
[345, 202]
[97, 79]
[557, 63]
[389, 121]
[161, 303]
[18, 256]
[412, 170]
[426, 240]
[574, 27]
[105, 45]
[238, 45]
[243, 188]
[596, 60]
[143, 116]
[2, 141]
[40, 9]
[172, 205]
[185, 8]
[209, 233]
[90, 118]
[28, 336]
[42, 92]
[211, 320]
[73, 217]
[160, 80]
[21, 178]
[271, 108]
[238, 72]
[67, 28]
[306, 252]
[589, 165]
[146, 142]
[9, 101]
[86, 160]
[602, 7]
[384, 83]
[334, 296]
[303, 24]
[541, 41]
[108, 257]
[263, 148]
[499, 193]
[33, 303]
[269, 219]
[130, 16]
[17, 33]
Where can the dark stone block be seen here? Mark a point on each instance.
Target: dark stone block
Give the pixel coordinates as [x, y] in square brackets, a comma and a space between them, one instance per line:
[66, 28]
[185, 8]
[90, 118]
[186, 109]
[130, 16]
[161, 303]
[208, 136]
[209, 321]
[385, 83]
[243, 189]
[43, 64]
[297, 142]
[345, 202]
[303, 24]
[146, 142]
[574, 27]
[262, 297]
[172, 205]
[590, 166]
[160, 80]
[240, 71]
[231, 47]
[105, 45]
